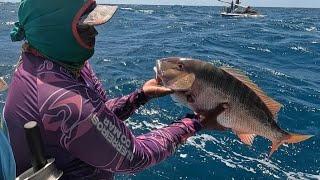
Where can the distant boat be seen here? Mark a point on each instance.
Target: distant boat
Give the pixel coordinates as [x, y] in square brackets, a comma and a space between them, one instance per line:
[240, 15]
[237, 10]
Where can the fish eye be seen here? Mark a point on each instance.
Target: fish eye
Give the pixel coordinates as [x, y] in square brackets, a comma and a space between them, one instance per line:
[180, 66]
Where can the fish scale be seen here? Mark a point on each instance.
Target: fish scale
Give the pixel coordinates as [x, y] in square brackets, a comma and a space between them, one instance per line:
[201, 87]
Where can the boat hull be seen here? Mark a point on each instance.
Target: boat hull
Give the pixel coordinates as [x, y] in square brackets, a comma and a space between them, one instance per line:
[240, 15]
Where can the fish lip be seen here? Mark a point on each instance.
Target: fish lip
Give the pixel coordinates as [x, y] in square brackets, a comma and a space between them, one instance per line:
[158, 71]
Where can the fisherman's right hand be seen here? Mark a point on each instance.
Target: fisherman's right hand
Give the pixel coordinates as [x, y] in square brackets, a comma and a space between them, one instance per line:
[153, 89]
[209, 118]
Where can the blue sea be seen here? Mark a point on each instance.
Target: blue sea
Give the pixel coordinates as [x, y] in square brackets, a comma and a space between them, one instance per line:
[280, 52]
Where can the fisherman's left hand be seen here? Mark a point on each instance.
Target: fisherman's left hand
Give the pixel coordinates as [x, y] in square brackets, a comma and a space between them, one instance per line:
[209, 118]
[153, 89]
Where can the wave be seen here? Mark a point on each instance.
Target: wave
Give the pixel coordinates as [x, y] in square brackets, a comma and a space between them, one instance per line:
[8, 23]
[239, 161]
[127, 8]
[275, 73]
[299, 48]
[311, 29]
[260, 49]
[144, 11]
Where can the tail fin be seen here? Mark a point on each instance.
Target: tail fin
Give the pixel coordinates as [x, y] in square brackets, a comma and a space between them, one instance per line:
[290, 138]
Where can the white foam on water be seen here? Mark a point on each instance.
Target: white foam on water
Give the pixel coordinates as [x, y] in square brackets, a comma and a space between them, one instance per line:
[260, 49]
[149, 112]
[299, 48]
[236, 160]
[264, 49]
[183, 155]
[145, 11]
[171, 16]
[312, 28]
[155, 124]
[9, 23]
[134, 125]
[276, 73]
[130, 9]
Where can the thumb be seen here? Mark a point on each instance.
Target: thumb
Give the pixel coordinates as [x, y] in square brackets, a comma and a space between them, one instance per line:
[164, 90]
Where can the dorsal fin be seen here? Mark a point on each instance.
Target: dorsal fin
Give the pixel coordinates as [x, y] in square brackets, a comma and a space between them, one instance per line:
[272, 105]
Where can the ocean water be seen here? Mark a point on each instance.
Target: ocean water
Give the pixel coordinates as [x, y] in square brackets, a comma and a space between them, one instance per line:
[280, 52]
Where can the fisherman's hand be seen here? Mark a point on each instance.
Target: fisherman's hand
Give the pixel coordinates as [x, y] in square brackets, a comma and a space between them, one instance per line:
[209, 119]
[153, 89]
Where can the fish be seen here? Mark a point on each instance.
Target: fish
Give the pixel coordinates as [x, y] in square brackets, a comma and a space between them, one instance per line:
[3, 84]
[201, 87]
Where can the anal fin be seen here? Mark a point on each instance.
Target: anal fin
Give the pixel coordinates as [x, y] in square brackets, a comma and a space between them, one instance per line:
[246, 138]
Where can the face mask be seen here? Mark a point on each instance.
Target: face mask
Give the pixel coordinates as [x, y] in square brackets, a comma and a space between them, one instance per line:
[87, 34]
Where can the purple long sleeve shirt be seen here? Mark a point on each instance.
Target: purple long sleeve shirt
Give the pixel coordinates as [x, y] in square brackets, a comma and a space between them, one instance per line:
[81, 128]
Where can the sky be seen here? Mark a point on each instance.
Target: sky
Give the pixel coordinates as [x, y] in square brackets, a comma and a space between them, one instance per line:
[256, 3]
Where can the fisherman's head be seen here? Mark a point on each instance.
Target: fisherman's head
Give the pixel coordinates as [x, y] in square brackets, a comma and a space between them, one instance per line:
[63, 31]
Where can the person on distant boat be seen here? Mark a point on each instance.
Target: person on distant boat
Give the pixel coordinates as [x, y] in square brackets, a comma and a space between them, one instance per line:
[249, 10]
[55, 85]
[232, 7]
[236, 5]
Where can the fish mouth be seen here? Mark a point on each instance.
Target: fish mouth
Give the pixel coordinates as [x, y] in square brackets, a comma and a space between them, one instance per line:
[158, 71]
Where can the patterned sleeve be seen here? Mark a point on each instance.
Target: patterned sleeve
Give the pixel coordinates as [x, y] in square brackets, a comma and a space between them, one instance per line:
[124, 106]
[90, 131]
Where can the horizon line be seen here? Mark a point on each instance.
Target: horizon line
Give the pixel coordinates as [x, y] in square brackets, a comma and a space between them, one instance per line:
[294, 7]
[208, 5]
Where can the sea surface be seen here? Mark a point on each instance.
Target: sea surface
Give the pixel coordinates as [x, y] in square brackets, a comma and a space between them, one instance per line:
[280, 52]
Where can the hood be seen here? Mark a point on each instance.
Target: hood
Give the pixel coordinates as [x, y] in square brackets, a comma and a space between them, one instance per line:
[50, 27]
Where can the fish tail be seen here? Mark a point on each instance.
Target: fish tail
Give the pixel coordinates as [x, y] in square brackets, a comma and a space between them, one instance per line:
[290, 138]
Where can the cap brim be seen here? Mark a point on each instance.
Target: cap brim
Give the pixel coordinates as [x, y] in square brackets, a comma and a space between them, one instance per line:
[99, 15]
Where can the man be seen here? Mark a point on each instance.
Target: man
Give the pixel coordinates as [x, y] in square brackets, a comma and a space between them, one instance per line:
[231, 7]
[249, 10]
[55, 85]
[236, 5]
